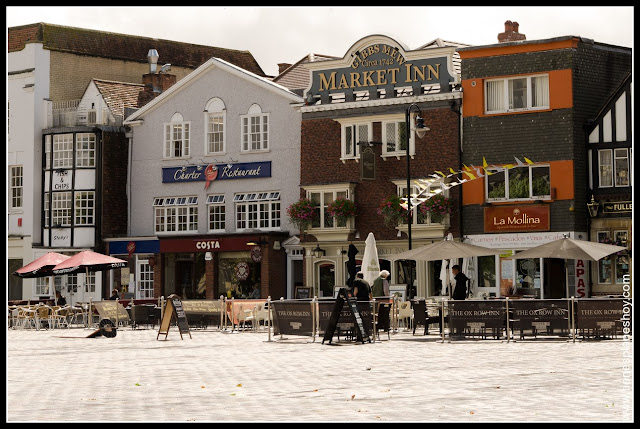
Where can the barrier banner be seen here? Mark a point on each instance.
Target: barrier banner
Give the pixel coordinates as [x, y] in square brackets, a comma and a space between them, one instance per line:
[540, 316]
[292, 318]
[480, 318]
[111, 310]
[346, 321]
[603, 317]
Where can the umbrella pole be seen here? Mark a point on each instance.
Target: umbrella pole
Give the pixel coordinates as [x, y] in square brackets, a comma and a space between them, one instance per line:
[566, 276]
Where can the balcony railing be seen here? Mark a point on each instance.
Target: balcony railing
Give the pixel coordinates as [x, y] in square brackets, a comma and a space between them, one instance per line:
[65, 113]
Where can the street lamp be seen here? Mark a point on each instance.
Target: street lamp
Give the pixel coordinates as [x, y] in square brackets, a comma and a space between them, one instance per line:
[421, 130]
[593, 207]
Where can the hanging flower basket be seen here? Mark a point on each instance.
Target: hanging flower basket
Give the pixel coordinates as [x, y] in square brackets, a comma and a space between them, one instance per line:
[302, 213]
[391, 211]
[437, 207]
[342, 209]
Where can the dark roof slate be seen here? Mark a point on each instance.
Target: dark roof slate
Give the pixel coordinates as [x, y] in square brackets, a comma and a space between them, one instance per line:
[124, 47]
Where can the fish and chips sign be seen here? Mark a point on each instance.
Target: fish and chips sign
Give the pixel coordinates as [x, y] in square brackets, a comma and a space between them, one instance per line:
[379, 62]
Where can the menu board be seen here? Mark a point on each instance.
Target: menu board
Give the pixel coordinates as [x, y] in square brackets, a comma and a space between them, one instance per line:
[111, 310]
[173, 311]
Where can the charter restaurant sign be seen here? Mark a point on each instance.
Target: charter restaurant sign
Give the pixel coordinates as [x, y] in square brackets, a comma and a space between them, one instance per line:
[379, 64]
[211, 172]
[519, 218]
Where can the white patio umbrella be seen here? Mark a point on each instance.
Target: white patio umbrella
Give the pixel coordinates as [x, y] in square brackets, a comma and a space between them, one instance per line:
[445, 249]
[370, 263]
[569, 248]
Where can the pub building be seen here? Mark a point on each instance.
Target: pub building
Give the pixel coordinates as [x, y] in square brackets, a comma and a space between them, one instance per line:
[355, 142]
[609, 149]
[214, 160]
[537, 99]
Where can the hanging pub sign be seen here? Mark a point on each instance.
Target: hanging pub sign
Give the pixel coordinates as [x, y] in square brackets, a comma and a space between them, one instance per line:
[210, 173]
[367, 163]
[378, 62]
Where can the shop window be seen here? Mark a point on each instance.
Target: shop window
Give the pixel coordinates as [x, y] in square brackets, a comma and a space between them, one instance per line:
[176, 138]
[518, 183]
[176, 214]
[517, 94]
[255, 130]
[145, 281]
[614, 269]
[257, 210]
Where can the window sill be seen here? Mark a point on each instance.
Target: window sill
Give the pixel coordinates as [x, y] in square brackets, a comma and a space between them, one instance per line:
[331, 234]
[433, 230]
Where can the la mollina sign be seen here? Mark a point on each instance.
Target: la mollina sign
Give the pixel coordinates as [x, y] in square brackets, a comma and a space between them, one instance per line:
[519, 218]
[210, 173]
[378, 63]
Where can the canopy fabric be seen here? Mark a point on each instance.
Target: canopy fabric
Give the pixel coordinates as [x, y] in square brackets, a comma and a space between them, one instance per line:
[446, 249]
[42, 266]
[569, 248]
[88, 261]
[370, 263]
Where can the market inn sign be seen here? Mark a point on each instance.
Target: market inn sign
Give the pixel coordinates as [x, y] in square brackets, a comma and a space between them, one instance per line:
[379, 63]
[211, 172]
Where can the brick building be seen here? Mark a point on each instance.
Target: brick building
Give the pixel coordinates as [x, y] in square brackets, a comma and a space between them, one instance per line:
[532, 99]
[354, 145]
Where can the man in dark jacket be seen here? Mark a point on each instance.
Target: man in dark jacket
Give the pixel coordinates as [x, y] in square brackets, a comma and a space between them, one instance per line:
[361, 288]
[460, 291]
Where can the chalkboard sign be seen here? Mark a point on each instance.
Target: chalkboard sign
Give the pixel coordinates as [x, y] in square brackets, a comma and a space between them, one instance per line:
[303, 292]
[173, 311]
[361, 331]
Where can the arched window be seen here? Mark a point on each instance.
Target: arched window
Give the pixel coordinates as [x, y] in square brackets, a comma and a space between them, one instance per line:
[176, 137]
[255, 130]
[215, 120]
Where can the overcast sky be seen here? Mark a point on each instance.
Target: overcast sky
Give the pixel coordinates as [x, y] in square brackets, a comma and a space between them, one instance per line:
[286, 34]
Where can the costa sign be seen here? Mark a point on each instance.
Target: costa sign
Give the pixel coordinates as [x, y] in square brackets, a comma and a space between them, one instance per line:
[518, 218]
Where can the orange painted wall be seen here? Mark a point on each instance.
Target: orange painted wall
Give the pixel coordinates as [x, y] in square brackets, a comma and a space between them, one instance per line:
[560, 94]
[561, 173]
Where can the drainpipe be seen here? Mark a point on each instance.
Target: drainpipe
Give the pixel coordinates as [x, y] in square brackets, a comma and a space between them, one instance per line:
[456, 106]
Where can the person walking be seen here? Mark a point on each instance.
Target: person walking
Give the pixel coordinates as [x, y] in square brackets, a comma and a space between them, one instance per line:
[460, 290]
[380, 286]
[361, 288]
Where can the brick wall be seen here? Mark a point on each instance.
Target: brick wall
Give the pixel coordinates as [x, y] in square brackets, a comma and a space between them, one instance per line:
[71, 73]
[321, 164]
[114, 184]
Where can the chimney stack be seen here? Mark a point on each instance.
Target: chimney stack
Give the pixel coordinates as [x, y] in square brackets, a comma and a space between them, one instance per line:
[154, 81]
[511, 33]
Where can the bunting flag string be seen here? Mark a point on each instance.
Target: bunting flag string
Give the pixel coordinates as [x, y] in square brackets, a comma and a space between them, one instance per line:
[466, 174]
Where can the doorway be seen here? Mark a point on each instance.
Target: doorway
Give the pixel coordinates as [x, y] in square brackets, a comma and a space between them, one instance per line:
[555, 278]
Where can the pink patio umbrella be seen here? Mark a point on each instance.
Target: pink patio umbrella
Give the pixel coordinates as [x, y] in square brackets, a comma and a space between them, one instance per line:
[88, 261]
[42, 266]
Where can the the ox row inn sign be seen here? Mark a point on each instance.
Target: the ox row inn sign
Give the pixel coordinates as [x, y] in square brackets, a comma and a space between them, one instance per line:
[210, 173]
[379, 63]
